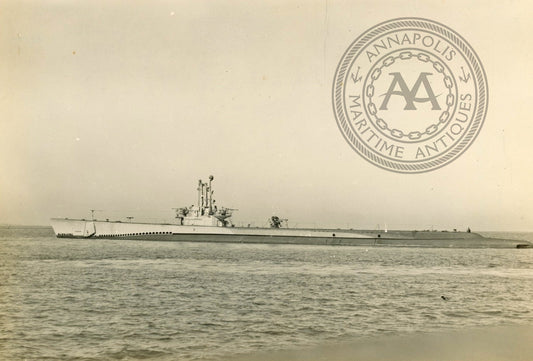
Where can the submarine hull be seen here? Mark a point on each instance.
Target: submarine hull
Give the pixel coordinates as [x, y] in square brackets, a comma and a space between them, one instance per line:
[71, 228]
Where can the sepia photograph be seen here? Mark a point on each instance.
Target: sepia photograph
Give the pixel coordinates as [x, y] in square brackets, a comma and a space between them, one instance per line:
[266, 181]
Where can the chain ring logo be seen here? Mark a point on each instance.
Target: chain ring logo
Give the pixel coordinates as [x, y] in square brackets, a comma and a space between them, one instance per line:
[410, 95]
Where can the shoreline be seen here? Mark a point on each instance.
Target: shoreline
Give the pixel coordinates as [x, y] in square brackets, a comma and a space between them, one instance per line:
[491, 343]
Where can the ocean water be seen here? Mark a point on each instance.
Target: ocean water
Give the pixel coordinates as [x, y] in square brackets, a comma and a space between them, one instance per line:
[64, 299]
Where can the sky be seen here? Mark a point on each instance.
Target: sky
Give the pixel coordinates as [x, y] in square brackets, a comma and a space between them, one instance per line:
[121, 106]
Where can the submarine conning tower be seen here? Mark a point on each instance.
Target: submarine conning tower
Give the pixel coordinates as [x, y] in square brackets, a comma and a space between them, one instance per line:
[206, 211]
[205, 196]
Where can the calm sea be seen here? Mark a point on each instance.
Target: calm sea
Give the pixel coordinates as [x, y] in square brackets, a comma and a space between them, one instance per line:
[66, 299]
